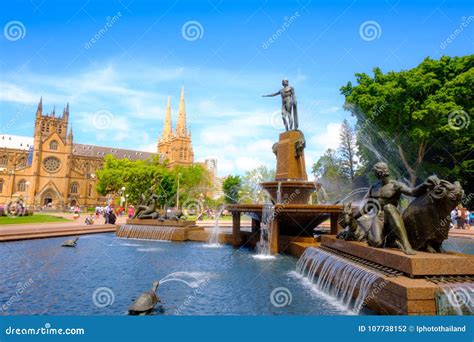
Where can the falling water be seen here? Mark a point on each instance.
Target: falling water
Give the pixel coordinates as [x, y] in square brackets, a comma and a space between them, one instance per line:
[337, 277]
[263, 246]
[460, 299]
[214, 237]
[133, 231]
[279, 193]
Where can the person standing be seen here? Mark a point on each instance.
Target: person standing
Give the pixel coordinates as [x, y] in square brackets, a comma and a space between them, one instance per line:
[131, 211]
[454, 215]
[461, 217]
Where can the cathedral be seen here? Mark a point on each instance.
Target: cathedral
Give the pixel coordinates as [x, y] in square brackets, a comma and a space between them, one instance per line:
[51, 170]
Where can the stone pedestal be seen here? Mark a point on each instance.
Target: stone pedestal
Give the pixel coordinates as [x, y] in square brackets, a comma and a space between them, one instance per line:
[289, 165]
[418, 265]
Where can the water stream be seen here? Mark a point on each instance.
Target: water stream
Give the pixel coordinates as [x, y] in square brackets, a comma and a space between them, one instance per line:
[336, 277]
[214, 236]
[133, 231]
[263, 246]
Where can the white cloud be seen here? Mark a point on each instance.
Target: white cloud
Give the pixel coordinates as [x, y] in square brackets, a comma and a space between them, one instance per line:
[327, 139]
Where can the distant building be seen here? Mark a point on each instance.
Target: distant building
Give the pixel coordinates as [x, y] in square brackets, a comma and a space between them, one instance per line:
[216, 181]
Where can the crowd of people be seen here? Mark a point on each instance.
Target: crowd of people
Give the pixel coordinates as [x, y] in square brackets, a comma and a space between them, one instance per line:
[462, 218]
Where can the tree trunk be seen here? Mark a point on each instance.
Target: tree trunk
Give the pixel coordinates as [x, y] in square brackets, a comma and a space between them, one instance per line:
[413, 170]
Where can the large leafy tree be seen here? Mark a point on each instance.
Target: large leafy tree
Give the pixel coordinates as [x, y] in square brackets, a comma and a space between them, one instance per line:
[418, 119]
[137, 177]
[232, 187]
[194, 182]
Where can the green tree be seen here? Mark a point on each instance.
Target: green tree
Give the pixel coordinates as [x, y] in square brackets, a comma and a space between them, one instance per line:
[408, 118]
[194, 182]
[328, 171]
[231, 187]
[251, 184]
[137, 177]
[347, 151]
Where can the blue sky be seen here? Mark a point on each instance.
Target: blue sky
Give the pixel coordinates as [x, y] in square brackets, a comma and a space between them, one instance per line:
[117, 83]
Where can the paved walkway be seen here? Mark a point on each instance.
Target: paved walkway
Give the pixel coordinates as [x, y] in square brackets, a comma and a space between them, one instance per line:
[462, 232]
[10, 232]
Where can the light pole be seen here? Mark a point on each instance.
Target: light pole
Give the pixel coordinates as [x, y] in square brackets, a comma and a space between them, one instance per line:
[177, 193]
[122, 193]
[27, 188]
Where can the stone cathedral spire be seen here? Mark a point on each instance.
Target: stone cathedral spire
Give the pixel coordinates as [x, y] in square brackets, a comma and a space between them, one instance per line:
[181, 126]
[167, 130]
[176, 147]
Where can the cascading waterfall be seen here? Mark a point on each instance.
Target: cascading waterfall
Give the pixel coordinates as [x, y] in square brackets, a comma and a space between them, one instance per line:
[460, 298]
[135, 231]
[263, 246]
[214, 236]
[337, 277]
[279, 193]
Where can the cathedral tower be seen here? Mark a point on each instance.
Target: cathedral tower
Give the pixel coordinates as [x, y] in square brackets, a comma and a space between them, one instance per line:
[176, 147]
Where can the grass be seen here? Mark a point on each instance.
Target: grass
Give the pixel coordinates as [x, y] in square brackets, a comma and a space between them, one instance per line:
[35, 218]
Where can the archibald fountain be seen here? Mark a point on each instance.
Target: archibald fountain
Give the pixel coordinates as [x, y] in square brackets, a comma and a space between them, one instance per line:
[375, 255]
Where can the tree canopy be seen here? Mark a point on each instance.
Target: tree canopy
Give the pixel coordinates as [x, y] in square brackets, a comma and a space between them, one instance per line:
[232, 187]
[417, 120]
[140, 175]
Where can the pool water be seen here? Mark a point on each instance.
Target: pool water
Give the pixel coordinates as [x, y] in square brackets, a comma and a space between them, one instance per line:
[104, 274]
[216, 281]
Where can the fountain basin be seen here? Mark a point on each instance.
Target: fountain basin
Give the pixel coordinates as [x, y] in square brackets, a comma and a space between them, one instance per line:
[292, 192]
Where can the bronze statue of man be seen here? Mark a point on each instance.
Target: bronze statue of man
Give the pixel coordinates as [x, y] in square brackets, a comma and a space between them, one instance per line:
[289, 110]
[387, 227]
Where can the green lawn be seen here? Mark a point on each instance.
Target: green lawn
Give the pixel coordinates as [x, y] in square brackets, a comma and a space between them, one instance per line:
[36, 218]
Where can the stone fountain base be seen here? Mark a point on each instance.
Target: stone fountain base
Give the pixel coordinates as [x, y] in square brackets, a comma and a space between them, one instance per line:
[291, 192]
[148, 229]
[407, 284]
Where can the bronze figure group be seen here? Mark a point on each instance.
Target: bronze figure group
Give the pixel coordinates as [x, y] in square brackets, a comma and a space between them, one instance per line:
[380, 223]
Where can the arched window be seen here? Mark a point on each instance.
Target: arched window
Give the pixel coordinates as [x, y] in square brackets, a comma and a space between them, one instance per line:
[3, 160]
[21, 163]
[22, 185]
[1, 186]
[88, 170]
[90, 190]
[53, 145]
[74, 188]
